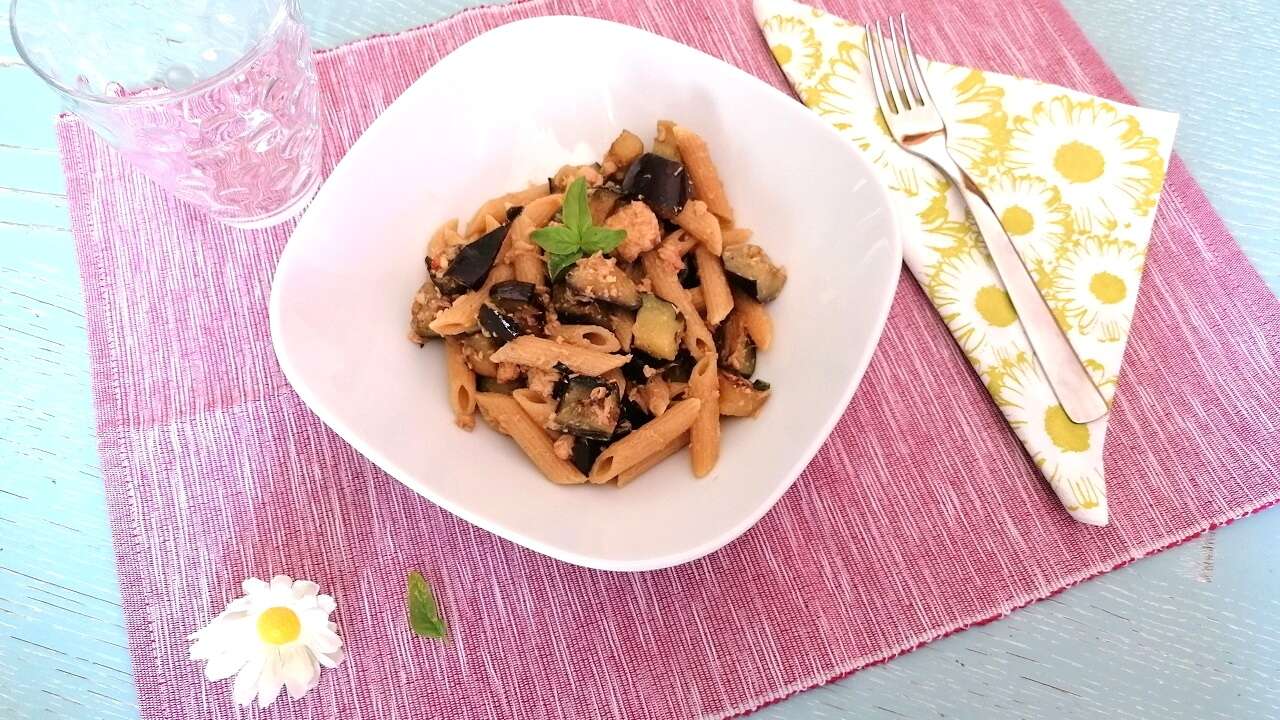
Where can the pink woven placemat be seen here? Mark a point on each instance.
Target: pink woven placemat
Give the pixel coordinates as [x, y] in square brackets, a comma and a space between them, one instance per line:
[216, 471]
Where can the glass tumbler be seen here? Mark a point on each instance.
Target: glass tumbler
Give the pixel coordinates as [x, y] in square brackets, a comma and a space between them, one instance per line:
[214, 100]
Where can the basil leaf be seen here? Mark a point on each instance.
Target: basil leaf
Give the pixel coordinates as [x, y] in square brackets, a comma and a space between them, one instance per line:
[424, 616]
[601, 239]
[558, 263]
[577, 213]
[556, 239]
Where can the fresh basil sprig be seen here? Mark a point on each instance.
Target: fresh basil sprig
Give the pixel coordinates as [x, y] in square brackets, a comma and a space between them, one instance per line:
[577, 237]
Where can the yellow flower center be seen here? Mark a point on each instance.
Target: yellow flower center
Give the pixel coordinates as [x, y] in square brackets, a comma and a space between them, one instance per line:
[782, 53]
[1068, 436]
[1078, 162]
[992, 303]
[1017, 221]
[1107, 287]
[279, 625]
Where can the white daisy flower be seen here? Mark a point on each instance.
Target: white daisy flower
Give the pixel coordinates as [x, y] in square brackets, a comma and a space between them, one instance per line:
[977, 309]
[1033, 214]
[1095, 286]
[977, 131]
[1069, 454]
[277, 636]
[840, 97]
[1106, 169]
[794, 45]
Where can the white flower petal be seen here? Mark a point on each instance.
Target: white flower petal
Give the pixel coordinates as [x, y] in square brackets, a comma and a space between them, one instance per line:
[323, 640]
[304, 588]
[300, 670]
[279, 582]
[326, 603]
[252, 586]
[331, 660]
[271, 682]
[246, 685]
[225, 665]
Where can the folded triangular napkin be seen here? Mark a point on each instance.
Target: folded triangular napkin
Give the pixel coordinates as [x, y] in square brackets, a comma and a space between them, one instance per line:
[1075, 180]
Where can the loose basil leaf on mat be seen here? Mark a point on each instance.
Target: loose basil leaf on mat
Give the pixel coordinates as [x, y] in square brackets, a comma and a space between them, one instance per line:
[424, 615]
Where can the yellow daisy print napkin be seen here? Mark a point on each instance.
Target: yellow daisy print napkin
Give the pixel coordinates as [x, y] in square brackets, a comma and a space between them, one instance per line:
[1075, 180]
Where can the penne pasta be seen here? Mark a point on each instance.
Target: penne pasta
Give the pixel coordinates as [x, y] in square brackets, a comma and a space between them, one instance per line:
[623, 327]
[497, 207]
[507, 414]
[542, 353]
[645, 441]
[735, 236]
[707, 186]
[535, 215]
[699, 300]
[697, 338]
[664, 142]
[445, 236]
[589, 336]
[696, 220]
[647, 464]
[755, 318]
[714, 286]
[537, 406]
[625, 149]
[462, 385]
[704, 434]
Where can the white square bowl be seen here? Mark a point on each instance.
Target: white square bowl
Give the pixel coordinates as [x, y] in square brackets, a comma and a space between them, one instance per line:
[471, 127]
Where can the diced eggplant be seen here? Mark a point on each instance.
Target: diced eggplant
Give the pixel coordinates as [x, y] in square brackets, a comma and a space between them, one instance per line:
[641, 366]
[512, 311]
[657, 329]
[661, 183]
[514, 211]
[737, 351]
[427, 302]
[473, 262]
[590, 408]
[633, 418]
[512, 290]
[602, 201]
[585, 452]
[571, 308]
[488, 384]
[599, 278]
[753, 271]
[688, 275]
[681, 368]
[740, 398]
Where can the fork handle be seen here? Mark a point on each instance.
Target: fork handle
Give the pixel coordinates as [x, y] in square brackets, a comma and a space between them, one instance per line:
[1068, 377]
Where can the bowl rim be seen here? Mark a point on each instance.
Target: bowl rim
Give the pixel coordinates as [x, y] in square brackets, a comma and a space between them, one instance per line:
[583, 559]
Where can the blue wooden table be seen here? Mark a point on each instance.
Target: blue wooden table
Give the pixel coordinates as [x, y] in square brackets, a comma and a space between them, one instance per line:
[1192, 633]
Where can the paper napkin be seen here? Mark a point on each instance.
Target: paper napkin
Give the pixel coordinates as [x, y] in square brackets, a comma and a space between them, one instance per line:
[1075, 180]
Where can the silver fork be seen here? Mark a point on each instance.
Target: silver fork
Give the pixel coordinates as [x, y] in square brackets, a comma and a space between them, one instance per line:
[915, 123]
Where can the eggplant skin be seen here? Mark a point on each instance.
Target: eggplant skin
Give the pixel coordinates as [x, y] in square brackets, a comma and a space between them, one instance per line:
[572, 308]
[752, 270]
[633, 418]
[471, 266]
[506, 319]
[512, 290]
[661, 183]
[496, 324]
[737, 352]
[589, 407]
[488, 384]
[585, 452]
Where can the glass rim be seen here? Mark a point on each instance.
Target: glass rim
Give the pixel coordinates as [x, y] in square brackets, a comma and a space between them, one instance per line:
[282, 12]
